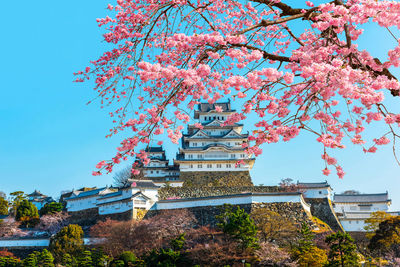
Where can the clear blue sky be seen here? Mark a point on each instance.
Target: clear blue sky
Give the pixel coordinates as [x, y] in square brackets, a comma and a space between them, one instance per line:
[51, 140]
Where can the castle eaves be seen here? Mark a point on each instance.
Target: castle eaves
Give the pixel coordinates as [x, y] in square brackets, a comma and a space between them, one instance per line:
[345, 198]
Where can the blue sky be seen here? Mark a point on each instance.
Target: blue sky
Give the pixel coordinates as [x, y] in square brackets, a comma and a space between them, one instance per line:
[51, 140]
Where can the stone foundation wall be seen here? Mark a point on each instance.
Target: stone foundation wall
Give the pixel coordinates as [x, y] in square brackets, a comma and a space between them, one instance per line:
[322, 209]
[205, 216]
[90, 217]
[216, 178]
[84, 217]
[205, 191]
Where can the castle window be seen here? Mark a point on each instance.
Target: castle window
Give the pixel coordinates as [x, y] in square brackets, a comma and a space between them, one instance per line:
[199, 166]
[233, 156]
[228, 165]
[151, 171]
[191, 166]
[209, 166]
[219, 166]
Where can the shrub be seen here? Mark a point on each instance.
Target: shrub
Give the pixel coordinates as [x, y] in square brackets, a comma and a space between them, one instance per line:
[50, 208]
[27, 214]
[343, 251]
[68, 240]
[237, 224]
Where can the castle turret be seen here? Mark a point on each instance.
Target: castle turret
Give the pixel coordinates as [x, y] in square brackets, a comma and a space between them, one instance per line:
[158, 170]
[215, 147]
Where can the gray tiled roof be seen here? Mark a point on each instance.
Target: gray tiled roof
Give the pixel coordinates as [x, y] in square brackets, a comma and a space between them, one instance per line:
[142, 184]
[35, 193]
[382, 197]
[113, 194]
[154, 149]
[313, 185]
[88, 193]
[206, 107]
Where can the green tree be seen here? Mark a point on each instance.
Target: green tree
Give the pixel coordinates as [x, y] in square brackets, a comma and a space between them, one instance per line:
[85, 259]
[3, 206]
[273, 227]
[50, 208]
[387, 235]
[68, 260]
[169, 257]
[46, 259]
[237, 224]
[117, 263]
[305, 252]
[16, 198]
[99, 258]
[372, 223]
[42, 259]
[306, 237]
[27, 214]
[313, 257]
[9, 261]
[128, 257]
[343, 251]
[68, 240]
[32, 260]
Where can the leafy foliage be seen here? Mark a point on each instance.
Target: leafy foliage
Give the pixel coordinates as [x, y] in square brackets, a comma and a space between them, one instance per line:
[168, 257]
[237, 224]
[27, 214]
[128, 257]
[387, 235]
[16, 198]
[4, 205]
[68, 241]
[51, 208]
[9, 261]
[343, 251]
[372, 223]
[305, 251]
[273, 227]
[43, 259]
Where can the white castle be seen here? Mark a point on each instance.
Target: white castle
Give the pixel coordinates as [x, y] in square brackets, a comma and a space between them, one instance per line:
[217, 148]
[214, 147]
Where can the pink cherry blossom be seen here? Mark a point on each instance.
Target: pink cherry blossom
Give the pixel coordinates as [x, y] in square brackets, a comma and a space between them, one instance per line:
[294, 69]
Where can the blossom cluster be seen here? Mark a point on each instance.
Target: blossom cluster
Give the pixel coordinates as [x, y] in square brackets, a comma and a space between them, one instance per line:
[170, 55]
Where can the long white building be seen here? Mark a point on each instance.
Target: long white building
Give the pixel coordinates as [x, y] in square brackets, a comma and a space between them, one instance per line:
[213, 146]
[315, 190]
[354, 208]
[138, 196]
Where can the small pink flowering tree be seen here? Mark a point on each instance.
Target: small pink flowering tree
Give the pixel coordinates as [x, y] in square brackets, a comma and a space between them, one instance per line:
[298, 68]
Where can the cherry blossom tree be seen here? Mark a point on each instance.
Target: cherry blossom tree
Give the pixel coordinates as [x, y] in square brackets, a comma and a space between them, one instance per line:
[296, 67]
